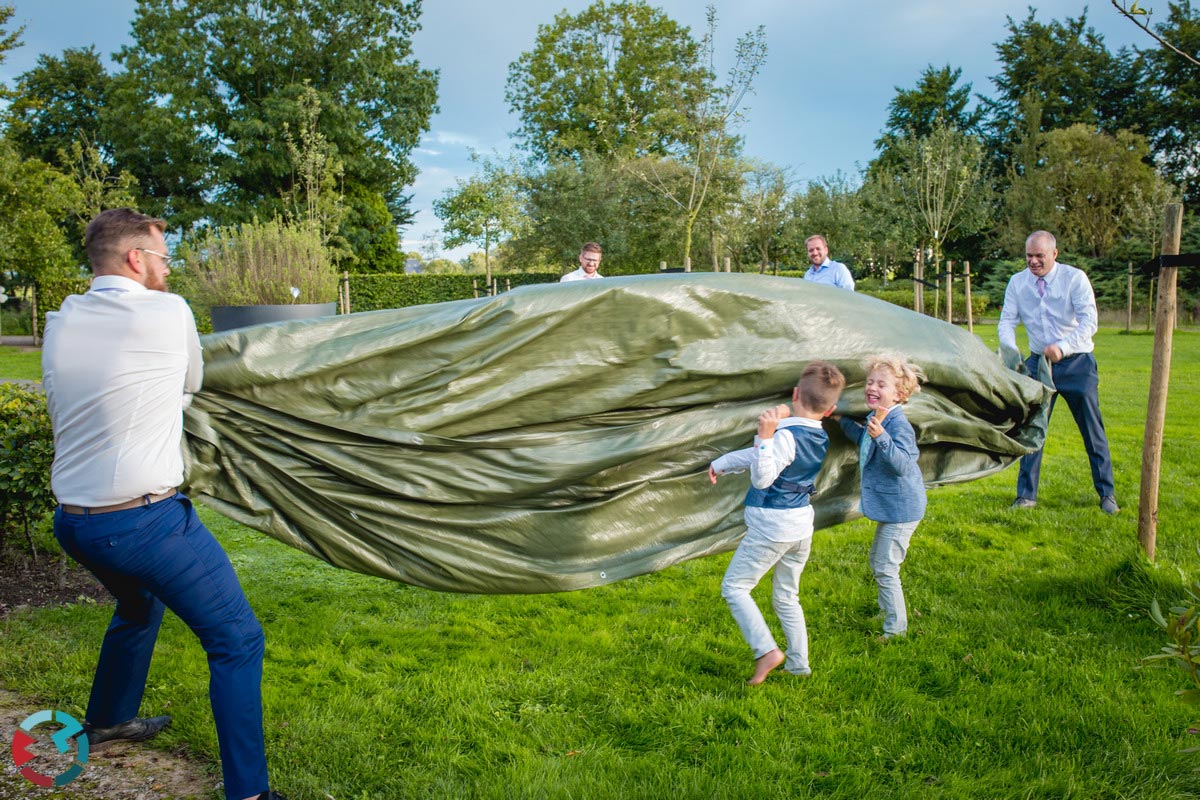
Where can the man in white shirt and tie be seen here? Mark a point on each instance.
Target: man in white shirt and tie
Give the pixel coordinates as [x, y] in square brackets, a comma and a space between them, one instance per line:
[1056, 305]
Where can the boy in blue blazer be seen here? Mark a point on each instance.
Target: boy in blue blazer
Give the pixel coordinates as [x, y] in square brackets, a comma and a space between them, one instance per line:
[893, 491]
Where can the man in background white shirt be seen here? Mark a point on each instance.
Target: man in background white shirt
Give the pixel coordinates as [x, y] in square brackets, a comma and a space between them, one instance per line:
[830, 273]
[119, 364]
[1056, 305]
[589, 262]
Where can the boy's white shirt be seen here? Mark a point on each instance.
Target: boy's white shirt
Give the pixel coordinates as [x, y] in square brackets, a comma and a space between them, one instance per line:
[768, 457]
[766, 460]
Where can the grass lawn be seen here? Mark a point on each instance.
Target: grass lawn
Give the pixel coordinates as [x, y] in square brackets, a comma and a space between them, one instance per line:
[1019, 678]
[22, 364]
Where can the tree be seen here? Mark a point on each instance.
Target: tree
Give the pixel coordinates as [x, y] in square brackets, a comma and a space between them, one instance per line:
[8, 40]
[831, 206]
[611, 80]
[764, 208]
[915, 111]
[34, 199]
[1071, 71]
[212, 83]
[570, 202]
[1096, 180]
[1174, 109]
[938, 189]
[481, 210]
[709, 148]
[1028, 204]
[59, 103]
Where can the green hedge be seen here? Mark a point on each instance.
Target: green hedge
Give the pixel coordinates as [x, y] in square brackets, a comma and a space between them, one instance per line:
[372, 292]
[398, 290]
[26, 453]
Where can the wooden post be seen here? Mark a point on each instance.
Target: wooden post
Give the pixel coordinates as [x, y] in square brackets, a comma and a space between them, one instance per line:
[1150, 304]
[687, 264]
[950, 292]
[727, 263]
[508, 284]
[937, 289]
[918, 287]
[475, 288]
[1129, 301]
[1160, 374]
[33, 311]
[662, 266]
[967, 293]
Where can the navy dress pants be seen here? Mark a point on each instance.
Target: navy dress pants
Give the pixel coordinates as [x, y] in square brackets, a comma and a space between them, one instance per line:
[1077, 382]
[157, 556]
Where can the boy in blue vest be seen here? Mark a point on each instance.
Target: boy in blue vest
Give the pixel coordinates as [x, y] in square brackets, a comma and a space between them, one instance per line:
[783, 463]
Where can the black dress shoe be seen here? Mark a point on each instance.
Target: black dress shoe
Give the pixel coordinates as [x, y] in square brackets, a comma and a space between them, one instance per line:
[135, 730]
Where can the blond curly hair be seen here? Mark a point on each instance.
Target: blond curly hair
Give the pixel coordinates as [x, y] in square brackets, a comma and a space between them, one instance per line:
[908, 375]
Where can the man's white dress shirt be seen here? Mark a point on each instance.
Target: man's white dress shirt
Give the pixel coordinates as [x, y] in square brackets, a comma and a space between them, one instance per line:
[119, 364]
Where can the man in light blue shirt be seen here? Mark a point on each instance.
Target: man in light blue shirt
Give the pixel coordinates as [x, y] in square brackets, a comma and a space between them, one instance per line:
[1056, 305]
[830, 273]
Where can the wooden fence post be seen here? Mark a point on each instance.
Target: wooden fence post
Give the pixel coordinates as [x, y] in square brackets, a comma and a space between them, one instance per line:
[918, 287]
[1160, 374]
[1129, 301]
[950, 292]
[967, 292]
[727, 263]
[662, 266]
[687, 264]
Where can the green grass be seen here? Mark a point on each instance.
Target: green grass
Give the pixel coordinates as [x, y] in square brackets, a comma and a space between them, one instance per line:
[1019, 679]
[17, 363]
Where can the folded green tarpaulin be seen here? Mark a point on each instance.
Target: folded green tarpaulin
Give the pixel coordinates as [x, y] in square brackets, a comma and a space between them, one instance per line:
[557, 437]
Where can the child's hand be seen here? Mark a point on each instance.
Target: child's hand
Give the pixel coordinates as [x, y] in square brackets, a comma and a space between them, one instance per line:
[768, 421]
[875, 423]
[712, 475]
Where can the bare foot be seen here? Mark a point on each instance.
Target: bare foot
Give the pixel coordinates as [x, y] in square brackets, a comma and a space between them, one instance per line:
[764, 664]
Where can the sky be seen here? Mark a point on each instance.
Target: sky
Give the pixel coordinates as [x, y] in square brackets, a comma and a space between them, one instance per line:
[818, 104]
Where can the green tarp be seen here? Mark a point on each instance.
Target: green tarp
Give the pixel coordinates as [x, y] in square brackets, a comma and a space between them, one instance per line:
[557, 437]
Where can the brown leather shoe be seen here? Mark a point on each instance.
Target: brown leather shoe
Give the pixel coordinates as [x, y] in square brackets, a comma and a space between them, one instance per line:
[137, 729]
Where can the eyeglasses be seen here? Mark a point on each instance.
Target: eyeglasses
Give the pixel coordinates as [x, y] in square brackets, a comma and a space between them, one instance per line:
[166, 258]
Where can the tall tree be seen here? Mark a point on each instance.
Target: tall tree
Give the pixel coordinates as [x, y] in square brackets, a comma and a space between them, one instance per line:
[1072, 72]
[59, 103]
[1097, 181]
[9, 40]
[830, 206]
[34, 200]
[1028, 204]
[939, 189]
[210, 84]
[1175, 106]
[764, 208]
[614, 79]
[482, 210]
[937, 95]
[707, 151]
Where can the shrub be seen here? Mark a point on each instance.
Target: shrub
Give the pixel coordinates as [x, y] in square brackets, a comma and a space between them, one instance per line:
[256, 263]
[26, 453]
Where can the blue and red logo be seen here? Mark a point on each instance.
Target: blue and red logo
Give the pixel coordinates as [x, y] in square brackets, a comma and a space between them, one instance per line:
[68, 734]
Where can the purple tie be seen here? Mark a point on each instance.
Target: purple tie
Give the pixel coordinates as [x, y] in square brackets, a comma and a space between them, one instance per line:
[1041, 284]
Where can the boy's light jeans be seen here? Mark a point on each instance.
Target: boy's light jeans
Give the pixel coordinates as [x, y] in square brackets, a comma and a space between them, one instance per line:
[887, 554]
[755, 555]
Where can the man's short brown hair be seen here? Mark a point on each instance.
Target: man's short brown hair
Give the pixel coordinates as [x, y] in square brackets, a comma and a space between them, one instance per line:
[820, 386]
[591, 247]
[114, 233]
